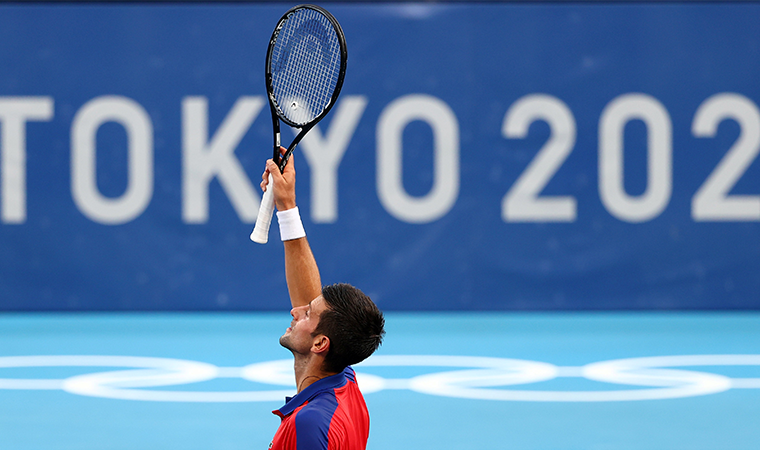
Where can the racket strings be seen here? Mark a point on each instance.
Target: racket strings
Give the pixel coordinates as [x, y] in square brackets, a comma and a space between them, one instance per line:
[305, 66]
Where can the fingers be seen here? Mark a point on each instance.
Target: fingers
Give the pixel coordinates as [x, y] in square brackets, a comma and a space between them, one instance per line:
[274, 171]
[267, 171]
[289, 172]
[287, 176]
[271, 167]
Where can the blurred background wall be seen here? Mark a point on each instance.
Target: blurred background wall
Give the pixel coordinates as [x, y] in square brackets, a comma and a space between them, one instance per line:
[484, 156]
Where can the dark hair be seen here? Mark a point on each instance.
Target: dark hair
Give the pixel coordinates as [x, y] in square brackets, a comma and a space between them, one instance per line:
[352, 322]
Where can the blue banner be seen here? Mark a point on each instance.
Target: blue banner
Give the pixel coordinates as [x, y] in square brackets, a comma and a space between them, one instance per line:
[481, 156]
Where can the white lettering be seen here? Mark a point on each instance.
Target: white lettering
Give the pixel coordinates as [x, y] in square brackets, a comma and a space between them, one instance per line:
[393, 120]
[612, 123]
[324, 155]
[202, 160]
[139, 128]
[712, 202]
[523, 202]
[14, 113]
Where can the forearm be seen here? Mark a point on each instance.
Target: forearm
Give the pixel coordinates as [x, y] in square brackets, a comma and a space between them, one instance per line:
[301, 272]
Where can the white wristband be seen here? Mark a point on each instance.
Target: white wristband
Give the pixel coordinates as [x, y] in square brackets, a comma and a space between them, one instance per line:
[290, 224]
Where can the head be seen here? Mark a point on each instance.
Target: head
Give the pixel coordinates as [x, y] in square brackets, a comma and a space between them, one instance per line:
[353, 324]
[342, 325]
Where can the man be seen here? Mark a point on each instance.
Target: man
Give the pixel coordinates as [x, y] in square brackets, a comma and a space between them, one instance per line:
[332, 328]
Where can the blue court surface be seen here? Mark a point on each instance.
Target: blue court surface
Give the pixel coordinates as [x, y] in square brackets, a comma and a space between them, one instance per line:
[440, 381]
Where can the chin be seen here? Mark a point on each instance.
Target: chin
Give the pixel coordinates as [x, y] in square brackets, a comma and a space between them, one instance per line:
[285, 341]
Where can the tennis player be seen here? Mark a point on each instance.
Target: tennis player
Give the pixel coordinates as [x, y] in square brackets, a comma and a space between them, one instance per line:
[332, 327]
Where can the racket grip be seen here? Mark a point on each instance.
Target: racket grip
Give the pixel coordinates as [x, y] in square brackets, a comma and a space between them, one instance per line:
[260, 232]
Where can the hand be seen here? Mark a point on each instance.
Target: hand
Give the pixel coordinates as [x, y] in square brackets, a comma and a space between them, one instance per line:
[284, 183]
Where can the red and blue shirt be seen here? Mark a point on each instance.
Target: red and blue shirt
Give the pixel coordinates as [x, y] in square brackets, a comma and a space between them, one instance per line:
[328, 415]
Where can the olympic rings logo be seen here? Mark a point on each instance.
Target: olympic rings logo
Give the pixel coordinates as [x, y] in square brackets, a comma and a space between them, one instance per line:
[482, 378]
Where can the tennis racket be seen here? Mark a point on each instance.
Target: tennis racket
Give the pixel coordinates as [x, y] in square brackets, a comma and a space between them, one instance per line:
[306, 63]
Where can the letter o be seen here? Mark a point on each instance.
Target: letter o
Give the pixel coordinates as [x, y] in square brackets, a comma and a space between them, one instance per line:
[442, 196]
[137, 123]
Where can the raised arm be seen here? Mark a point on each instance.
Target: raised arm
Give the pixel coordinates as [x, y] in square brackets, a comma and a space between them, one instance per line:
[301, 271]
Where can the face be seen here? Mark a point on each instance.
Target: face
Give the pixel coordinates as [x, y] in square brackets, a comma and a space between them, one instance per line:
[298, 337]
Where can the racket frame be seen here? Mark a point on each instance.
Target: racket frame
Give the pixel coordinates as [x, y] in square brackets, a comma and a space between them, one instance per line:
[260, 233]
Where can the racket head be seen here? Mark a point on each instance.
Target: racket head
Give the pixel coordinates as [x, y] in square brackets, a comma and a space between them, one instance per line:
[305, 65]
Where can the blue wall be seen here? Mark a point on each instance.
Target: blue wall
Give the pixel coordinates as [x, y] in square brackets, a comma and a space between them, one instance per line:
[484, 156]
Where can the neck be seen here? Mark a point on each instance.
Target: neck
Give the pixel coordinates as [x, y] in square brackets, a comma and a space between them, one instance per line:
[308, 371]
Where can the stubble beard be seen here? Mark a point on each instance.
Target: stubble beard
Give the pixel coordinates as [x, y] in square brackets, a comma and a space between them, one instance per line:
[285, 342]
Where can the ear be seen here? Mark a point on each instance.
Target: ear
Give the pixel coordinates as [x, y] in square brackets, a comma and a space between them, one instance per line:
[320, 345]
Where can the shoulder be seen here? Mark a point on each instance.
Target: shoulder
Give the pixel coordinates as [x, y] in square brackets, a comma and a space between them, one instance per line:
[319, 410]
[312, 422]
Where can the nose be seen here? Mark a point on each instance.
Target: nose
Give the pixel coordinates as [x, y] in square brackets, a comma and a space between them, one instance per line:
[297, 311]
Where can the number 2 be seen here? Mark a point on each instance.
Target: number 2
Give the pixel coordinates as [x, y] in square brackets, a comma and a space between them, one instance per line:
[712, 202]
[522, 203]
